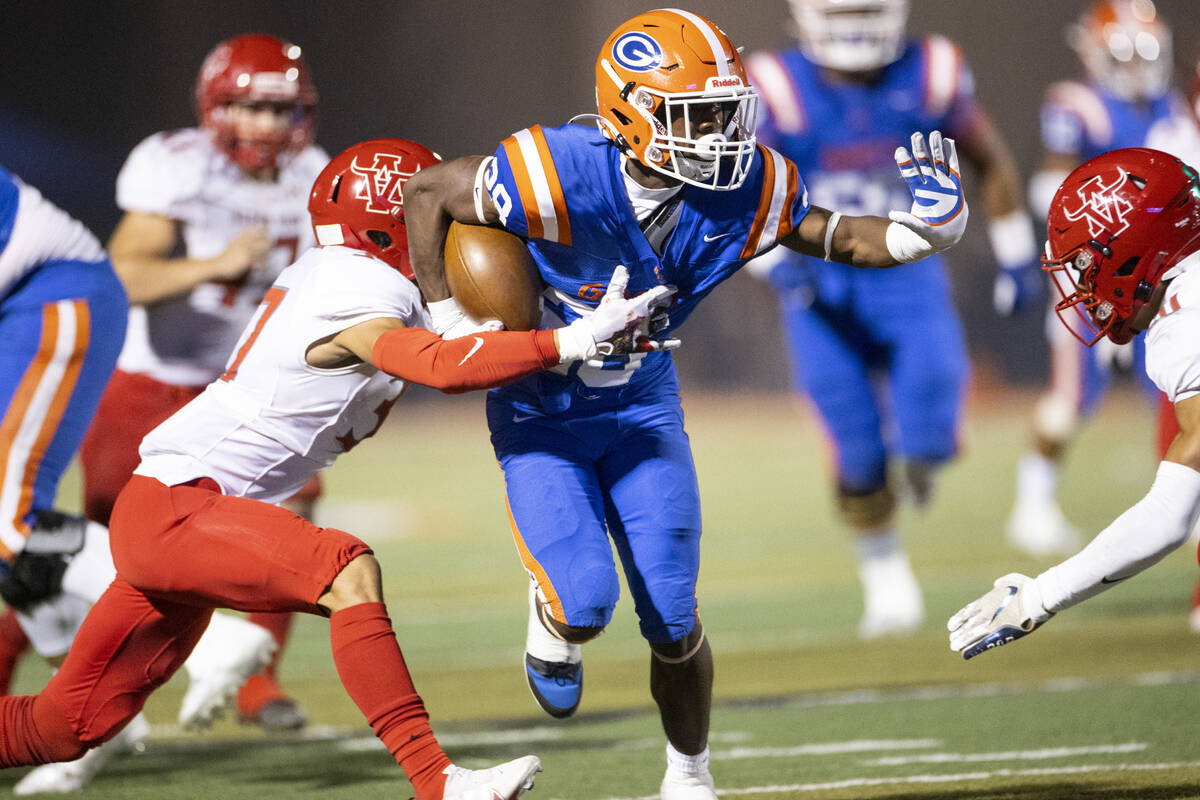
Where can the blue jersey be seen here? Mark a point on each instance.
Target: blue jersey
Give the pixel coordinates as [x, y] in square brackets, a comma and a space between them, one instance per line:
[563, 190]
[842, 136]
[1087, 120]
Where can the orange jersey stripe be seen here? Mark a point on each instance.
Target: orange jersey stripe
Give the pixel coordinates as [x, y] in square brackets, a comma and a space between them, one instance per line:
[793, 186]
[764, 204]
[58, 404]
[516, 160]
[531, 564]
[558, 200]
[19, 406]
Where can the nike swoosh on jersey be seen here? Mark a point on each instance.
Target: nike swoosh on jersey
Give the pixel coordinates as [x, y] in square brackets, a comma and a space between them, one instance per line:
[474, 349]
[523, 417]
[708, 238]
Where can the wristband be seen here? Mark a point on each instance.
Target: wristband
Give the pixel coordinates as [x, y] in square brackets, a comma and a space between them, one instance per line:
[445, 314]
[830, 227]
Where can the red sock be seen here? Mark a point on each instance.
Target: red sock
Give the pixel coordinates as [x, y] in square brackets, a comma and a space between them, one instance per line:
[264, 687]
[372, 669]
[35, 732]
[13, 643]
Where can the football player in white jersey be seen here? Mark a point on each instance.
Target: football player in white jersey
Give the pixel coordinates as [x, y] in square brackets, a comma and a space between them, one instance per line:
[1123, 231]
[1125, 49]
[212, 215]
[315, 371]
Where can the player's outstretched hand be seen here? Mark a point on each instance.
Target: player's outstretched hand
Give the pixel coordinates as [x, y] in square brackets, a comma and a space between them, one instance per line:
[938, 215]
[1017, 288]
[617, 316]
[451, 322]
[1012, 609]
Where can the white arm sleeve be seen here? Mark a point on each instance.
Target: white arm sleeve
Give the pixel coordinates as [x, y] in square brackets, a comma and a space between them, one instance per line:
[1154, 526]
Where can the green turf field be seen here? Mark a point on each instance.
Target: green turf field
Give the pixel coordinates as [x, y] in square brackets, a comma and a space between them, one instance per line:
[1101, 704]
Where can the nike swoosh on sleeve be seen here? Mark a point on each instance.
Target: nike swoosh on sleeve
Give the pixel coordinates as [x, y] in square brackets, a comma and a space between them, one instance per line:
[474, 349]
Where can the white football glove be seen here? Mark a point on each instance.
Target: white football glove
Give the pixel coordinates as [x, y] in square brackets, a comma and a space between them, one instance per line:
[591, 335]
[451, 322]
[1009, 611]
[938, 215]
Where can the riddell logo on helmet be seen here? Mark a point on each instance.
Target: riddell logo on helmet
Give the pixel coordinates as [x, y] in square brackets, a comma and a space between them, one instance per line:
[729, 82]
[1099, 204]
[383, 188]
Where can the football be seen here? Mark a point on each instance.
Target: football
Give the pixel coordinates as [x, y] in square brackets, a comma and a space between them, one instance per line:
[492, 276]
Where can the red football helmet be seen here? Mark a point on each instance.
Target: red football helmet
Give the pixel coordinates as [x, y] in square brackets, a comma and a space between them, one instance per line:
[669, 65]
[358, 199]
[256, 68]
[1117, 224]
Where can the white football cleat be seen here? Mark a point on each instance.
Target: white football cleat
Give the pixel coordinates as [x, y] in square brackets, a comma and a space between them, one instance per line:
[506, 781]
[71, 776]
[891, 598]
[228, 653]
[688, 786]
[1039, 529]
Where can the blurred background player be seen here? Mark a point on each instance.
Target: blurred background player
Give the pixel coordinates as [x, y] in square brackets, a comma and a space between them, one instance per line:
[63, 313]
[1124, 228]
[881, 354]
[1125, 48]
[62, 321]
[212, 214]
[672, 184]
[198, 526]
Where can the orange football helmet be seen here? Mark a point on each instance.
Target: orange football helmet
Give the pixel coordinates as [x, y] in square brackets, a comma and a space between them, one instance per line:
[672, 93]
[252, 68]
[1125, 46]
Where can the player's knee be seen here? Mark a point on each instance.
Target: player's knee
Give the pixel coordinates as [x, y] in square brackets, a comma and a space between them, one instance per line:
[359, 582]
[682, 650]
[1055, 417]
[572, 634]
[866, 508]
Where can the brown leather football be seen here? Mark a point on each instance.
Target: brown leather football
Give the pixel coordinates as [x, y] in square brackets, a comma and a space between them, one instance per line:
[492, 276]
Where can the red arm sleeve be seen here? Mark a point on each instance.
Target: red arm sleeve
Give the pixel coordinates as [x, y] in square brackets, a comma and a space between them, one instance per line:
[479, 361]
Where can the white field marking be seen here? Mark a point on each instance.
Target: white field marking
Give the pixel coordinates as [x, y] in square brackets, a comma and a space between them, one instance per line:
[1009, 755]
[825, 748]
[952, 691]
[527, 736]
[854, 783]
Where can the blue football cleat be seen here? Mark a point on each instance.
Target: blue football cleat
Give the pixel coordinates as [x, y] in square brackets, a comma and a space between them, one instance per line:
[557, 686]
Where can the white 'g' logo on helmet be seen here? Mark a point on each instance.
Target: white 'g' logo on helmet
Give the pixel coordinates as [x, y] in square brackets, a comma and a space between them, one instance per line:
[638, 52]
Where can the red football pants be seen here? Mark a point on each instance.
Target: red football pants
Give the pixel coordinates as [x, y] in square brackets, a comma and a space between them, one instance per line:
[179, 551]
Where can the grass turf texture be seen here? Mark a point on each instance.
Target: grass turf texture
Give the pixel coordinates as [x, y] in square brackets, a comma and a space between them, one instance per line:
[801, 704]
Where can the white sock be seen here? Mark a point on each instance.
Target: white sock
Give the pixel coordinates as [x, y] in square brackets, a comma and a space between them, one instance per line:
[1037, 479]
[686, 765]
[876, 545]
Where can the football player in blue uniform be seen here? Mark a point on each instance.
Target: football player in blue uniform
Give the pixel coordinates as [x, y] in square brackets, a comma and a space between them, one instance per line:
[1125, 47]
[881, 355]
[672, 184]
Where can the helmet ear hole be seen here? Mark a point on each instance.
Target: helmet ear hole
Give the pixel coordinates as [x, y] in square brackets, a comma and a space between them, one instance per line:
[337, 187]
[380, 239]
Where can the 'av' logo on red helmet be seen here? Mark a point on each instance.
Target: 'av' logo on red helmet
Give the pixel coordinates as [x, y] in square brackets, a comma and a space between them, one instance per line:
[1099, 204]
[384, 184]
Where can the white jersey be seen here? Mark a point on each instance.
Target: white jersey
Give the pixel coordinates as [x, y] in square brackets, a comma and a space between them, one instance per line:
[185, 340]
[1177, 135]
[272, 421]
[33, 231]
[1173, 339]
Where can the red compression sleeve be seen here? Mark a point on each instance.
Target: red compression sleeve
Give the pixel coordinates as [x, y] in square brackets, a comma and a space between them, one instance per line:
[478, 361]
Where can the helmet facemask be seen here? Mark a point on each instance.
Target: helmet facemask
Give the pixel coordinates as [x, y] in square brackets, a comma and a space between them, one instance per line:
[851, 35]
[718, 159]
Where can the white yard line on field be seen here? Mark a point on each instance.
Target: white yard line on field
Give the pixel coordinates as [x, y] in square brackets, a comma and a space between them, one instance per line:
[1008, 755]
[826, 748]
[856, 783]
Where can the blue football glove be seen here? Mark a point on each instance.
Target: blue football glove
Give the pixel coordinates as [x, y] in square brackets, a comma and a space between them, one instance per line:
[1017, 289]
[1012, 609]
